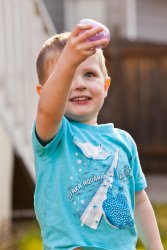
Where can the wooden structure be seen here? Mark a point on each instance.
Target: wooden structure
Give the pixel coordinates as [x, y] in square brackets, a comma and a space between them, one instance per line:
[24, 26]
[137, 100]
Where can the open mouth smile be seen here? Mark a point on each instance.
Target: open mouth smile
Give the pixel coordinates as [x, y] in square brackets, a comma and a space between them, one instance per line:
[80, 99]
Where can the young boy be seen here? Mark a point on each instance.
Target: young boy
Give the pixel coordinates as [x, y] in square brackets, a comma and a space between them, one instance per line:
[89, 179]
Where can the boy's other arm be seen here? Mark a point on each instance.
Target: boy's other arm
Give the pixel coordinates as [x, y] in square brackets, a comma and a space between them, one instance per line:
[55, 92]
[146, 222]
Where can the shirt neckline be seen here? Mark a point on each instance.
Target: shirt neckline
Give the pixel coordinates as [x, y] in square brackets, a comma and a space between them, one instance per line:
[105, 128]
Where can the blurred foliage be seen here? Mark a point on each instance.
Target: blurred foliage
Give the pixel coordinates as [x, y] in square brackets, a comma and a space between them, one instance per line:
[26, 235]
[31, 241]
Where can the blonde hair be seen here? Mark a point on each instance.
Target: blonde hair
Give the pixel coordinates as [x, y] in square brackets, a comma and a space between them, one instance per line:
[102, 62]
[54, 45]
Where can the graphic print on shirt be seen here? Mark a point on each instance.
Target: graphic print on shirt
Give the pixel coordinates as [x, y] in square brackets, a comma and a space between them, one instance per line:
[109, 200]
[115, 206]
[91, 151]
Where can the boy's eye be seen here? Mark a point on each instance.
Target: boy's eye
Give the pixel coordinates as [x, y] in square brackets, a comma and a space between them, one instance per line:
[89, 74]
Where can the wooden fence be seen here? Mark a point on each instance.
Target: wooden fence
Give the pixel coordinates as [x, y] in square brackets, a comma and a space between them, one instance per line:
[137, 100]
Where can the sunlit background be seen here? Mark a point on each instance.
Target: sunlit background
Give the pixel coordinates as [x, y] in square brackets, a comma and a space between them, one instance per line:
[137, 102]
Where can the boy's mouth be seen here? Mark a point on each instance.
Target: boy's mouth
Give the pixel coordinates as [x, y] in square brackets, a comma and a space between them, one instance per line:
[80, 99]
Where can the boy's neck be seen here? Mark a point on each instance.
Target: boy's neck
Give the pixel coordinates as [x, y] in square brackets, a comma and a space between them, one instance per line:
[92, 122]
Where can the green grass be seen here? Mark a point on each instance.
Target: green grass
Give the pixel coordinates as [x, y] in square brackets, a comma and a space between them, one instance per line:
[27, 234]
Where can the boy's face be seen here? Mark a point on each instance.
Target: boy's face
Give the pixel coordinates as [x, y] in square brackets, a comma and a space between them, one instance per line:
[88, 90]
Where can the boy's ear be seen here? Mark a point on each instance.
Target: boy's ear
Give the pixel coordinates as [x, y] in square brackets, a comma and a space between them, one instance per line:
[107, 84]
[38, 89]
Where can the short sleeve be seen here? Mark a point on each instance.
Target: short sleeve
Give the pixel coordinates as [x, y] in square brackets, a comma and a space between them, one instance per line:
[140, 181]
[41, 149]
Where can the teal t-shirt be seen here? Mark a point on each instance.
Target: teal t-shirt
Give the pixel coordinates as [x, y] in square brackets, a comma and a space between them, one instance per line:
[86, 179]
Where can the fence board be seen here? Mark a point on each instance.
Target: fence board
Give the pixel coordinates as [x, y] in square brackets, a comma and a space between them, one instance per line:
[137, 100]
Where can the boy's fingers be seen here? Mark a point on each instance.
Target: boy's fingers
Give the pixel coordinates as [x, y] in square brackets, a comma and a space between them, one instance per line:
[97, 44]
[85, 31]
[82, 33]
[79, 28]
[88, 33]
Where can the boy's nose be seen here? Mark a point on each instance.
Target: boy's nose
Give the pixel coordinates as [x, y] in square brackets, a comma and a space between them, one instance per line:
[79, 83]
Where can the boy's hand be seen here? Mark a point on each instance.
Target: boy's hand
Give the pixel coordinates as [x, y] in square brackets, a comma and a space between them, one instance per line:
[78, 48]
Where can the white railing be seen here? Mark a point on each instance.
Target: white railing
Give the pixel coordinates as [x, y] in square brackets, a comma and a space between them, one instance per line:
[24, 26]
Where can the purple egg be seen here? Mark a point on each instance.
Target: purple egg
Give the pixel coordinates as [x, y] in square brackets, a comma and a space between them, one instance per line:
[104, 34]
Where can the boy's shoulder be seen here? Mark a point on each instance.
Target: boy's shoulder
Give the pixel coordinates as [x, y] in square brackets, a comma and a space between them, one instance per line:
[125, 137]
[123, 133]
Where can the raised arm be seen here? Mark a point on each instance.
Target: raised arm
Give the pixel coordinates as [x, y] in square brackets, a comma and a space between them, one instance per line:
[146, 222]
[54, 95]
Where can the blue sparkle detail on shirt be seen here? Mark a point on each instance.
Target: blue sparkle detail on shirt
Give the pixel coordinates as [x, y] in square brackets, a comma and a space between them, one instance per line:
[115, 207]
